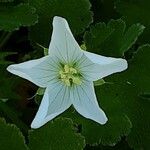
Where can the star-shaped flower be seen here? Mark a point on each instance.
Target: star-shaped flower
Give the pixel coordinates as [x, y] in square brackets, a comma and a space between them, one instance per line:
[67, 73]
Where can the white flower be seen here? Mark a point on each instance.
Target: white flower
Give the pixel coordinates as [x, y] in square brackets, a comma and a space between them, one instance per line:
[67, 73]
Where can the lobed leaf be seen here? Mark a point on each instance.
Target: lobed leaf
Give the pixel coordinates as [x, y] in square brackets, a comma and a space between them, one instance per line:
[128, 88]
[21, 15]
[136, 12]
[8, 85]
[57, 135]
[118, 125]
[127, 112]
[11, 137]
[77, 13]
[112, 39]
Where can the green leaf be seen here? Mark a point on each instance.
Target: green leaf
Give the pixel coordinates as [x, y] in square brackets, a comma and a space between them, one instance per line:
[127, 112]
[8, 85]
[112, 39]
[131, 36]
[96, 36]
[139, 69]
[136, 11]
[56, 135]
[118, 124]
[128, 88]
[11, 137]
[77, 13]
[11, 115]
[21, 15]
[129, 9]
[140, 79]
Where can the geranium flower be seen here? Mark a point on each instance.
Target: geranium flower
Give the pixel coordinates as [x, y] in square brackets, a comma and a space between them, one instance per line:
[67, 73]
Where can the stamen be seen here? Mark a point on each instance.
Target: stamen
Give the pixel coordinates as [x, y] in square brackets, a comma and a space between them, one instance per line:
[70, 75]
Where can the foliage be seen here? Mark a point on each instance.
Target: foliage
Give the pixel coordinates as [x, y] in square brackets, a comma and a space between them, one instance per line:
[21, 15]
[112, 39]
[75, 10]
[136, 12]
[61, 134]
[11, 137]
[117, 28]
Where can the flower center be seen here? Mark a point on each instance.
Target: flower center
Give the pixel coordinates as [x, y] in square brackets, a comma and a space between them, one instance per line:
[70, 75]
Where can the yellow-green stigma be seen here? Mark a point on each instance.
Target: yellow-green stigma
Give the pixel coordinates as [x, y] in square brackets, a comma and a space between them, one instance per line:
[70, 75]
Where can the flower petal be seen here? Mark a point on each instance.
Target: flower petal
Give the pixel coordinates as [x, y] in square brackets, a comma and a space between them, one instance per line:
[85, 102]
[55, 101]
[94, 67]
[39, 71]
[63, 44]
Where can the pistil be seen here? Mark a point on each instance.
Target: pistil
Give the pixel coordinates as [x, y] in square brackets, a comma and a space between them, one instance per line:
[70, 75]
